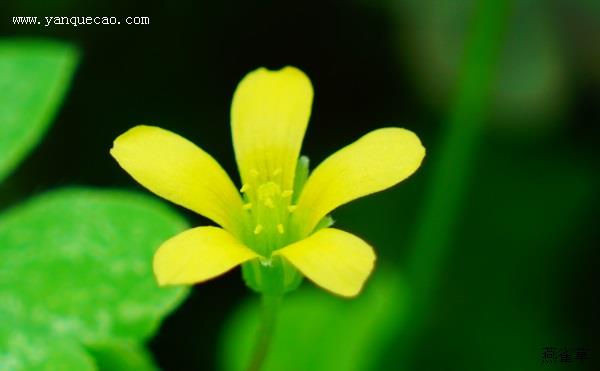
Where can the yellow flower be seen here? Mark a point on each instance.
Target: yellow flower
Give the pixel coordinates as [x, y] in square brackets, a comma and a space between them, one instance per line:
[278, 225]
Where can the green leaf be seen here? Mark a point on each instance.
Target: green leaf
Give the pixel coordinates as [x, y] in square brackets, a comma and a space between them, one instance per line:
[122, 355]
[34, 76]
[78, 263]
[318, 331]
[26, 347]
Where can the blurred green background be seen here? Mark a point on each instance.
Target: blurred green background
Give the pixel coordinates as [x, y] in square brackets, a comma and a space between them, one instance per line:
[486, 255]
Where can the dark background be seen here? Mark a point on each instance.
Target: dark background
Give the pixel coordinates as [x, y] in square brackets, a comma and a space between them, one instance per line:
[521, 269]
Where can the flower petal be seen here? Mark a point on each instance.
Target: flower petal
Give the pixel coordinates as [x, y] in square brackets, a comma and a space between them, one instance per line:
[335, 260]
[197, 255]
[269, 115]
[176, 169]
[378, 160]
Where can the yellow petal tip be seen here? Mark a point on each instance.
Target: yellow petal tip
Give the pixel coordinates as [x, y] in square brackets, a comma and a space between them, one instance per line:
[197, 255]
[335, 260]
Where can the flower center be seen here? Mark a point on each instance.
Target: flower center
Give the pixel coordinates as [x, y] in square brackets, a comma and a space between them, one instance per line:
[268, 208]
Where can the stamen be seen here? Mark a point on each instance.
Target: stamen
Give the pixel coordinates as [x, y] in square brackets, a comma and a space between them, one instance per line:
[247, 206]
[276, 172]
[287, 193]
[254, 172]
[280, 228]
[258, 229]
[291, 208]
[245, 187]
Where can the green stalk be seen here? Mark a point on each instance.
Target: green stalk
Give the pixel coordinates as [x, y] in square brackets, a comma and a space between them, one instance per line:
[270, 307]
[451, 164]
[452, 159]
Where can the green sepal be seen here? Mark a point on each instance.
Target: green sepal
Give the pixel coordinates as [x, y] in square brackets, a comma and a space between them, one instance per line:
[326, 222]
[301, 176]
[276, 278]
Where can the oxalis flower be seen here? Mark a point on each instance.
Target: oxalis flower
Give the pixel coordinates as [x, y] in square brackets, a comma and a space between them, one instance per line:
[277, 226]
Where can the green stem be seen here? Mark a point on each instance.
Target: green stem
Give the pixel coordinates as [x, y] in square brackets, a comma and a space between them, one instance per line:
[264, 335]
[451, 165]
[457, 150]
